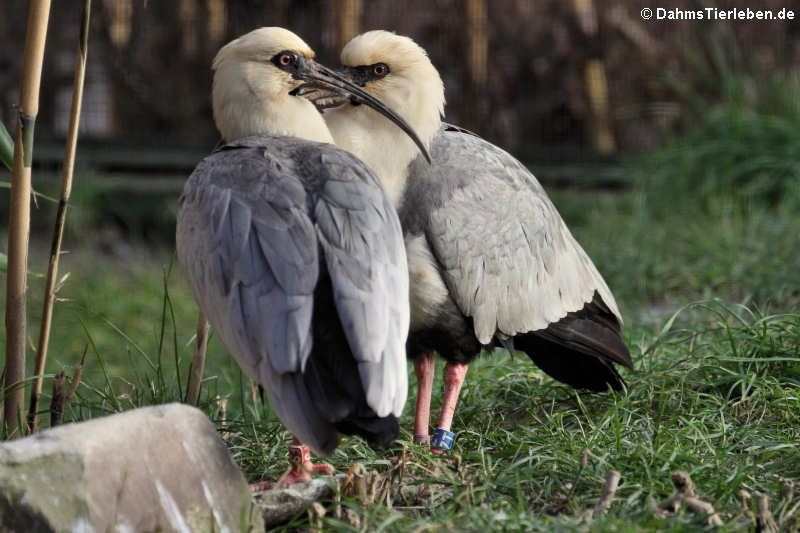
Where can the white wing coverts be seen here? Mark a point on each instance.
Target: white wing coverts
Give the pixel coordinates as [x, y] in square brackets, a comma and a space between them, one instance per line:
[507, 257]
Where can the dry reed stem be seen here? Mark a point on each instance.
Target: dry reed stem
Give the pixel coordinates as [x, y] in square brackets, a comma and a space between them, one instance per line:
[698, 506]
[584, 462]
[20, 215]
[76, 378]
[789, 517]
[60, 401]
[221, 415]
[787, 495]
[355, 483]
[256, 393]
[316, 512]
[585, 458]
[198, 361]
[787, 490]
[744, 505]
[765, 520]
[607, 494]
[683, 483]
[337, 500]
[57, 403]
[51, 286]
[687, 495]
[669, 506]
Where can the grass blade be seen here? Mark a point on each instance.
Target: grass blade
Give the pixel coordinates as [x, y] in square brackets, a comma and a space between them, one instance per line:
[102, 362]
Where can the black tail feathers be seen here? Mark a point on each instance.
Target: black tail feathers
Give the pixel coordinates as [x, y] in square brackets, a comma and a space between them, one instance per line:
[581, 348]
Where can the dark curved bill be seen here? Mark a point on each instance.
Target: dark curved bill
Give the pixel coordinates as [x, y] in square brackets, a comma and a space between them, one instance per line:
[317, 74]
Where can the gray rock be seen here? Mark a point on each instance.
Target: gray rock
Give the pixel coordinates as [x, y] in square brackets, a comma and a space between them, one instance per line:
[152, 469]
[279, 504]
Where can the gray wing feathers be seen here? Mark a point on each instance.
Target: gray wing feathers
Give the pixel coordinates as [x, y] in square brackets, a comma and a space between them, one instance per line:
[250, 255]
[365, 255]
[509, 259]
[248, 238]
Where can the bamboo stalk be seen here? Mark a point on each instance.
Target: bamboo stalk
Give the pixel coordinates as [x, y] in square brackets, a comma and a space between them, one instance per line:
[198, 361]
[478, 42]
[596, 83]
[20, 214]
[61, 216]
[349, 12]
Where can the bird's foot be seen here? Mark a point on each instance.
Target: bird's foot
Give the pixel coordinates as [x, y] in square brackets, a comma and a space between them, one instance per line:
[302, 468]
[297, 473]
[302, 473]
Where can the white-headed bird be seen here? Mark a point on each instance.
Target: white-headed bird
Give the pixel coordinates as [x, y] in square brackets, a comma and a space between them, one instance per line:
[490, 259]
[295, 254]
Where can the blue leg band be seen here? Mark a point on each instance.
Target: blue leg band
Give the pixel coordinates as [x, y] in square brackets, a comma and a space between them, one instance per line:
[443, 439]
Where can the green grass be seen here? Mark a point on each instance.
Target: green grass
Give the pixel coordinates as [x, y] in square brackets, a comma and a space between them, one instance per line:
[656, 260]
[716, 390]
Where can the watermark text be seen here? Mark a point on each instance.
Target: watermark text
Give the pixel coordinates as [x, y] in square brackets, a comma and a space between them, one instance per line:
[715, 13]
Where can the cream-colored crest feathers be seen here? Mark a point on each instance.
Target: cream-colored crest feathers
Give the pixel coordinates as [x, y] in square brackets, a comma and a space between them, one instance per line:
[251, 95]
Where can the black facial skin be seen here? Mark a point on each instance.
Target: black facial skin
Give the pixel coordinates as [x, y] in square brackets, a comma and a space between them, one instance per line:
[363, 74]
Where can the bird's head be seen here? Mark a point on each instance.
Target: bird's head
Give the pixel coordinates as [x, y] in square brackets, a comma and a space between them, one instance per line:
[396, 70]
[256, 82]
[254, 76]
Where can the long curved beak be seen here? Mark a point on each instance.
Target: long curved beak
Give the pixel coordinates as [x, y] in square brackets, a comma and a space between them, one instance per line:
[316, 74]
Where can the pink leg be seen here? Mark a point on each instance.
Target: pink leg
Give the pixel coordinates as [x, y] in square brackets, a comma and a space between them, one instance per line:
[300, 470]
[302, 467]
[454, 374]
[424, 368]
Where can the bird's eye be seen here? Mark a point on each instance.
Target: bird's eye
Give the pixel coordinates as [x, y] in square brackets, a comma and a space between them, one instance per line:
[380, 70]
[285, 60]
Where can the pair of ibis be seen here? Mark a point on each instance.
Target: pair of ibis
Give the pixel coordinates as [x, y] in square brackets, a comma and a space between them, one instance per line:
[320, 270]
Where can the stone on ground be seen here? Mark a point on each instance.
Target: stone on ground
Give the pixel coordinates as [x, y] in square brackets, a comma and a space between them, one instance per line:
[158, 468]
[280, 504]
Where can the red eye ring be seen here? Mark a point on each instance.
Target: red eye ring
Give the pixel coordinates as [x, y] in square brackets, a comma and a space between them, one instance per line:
[379, 69]
[285, 60]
